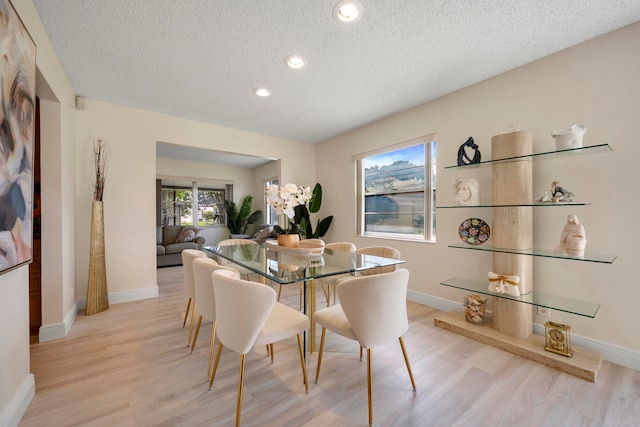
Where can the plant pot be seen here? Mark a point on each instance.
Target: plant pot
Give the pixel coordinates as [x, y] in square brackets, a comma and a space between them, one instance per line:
[288, 240]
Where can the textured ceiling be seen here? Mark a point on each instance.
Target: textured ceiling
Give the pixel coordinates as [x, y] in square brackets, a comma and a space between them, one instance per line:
[202, 59]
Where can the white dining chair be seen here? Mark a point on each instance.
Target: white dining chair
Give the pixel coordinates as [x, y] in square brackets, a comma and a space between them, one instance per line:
[188, 256]
[381, 251]
[372, 311]
[203, 268]
[304, 244]
[261, 321]
[329, 283]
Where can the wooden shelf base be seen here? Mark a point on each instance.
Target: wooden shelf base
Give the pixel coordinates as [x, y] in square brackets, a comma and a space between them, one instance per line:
[584, 364]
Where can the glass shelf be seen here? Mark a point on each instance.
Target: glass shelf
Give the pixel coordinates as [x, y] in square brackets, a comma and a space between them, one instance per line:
[515, 206]
[592, 149]
[567, 305]
[547, 253]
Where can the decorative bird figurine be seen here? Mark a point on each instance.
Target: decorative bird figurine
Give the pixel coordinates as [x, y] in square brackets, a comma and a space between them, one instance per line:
[570, 138]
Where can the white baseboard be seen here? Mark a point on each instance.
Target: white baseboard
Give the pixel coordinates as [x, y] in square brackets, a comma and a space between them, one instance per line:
[128, 296]
[60, 330]
[56, 331]
[610, 352]
[13, 413]
[435, 302]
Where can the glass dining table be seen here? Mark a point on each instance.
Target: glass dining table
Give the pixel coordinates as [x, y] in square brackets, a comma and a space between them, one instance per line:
[288, 266]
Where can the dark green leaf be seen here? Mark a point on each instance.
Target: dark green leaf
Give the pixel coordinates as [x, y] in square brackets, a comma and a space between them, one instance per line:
[323, 227]
[316, 199]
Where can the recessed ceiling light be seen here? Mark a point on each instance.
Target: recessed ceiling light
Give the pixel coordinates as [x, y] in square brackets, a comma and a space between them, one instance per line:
[348, 11]
[262, 92]
[295, 61]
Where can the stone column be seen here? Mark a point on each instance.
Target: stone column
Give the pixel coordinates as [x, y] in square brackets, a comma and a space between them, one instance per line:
[513, 228]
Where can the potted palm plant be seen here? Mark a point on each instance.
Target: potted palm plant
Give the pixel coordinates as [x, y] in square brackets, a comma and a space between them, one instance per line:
[239, 219]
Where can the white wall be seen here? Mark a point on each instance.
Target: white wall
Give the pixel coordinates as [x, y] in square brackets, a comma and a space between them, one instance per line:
[16, 382]
[595, 84]
[130, 184]
[241, 178]
[58, 218]
[263, 173]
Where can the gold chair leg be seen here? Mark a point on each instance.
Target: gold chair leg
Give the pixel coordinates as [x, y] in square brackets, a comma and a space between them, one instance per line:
[300, 308]
[326, 289]
[304, 365]
[369, 386]
[271, 351]
[215, 365]
[211, 345]
[186, 313]
[360, 353]
[195, 335]
[193, 320]
[406, 361]
[240, 387]
[324, 330]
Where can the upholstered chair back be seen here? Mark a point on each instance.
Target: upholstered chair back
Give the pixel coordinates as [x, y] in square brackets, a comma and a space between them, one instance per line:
[376, 306]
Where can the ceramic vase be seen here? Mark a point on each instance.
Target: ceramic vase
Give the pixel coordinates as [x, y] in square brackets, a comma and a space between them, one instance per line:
[97, 295]
[570, 138]
[474, 307]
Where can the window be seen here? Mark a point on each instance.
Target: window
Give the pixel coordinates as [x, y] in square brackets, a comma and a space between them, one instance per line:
[178, 206]
[210, 207]
[397, 191]
[271, 215]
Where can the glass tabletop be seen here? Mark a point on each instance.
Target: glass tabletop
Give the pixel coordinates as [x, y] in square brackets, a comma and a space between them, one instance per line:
[287, 267]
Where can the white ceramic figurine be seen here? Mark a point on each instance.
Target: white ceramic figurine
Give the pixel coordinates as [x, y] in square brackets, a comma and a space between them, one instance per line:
[573, 239]
[570, 138]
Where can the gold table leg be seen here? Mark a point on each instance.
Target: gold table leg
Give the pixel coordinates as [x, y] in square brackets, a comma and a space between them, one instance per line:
[311, 310]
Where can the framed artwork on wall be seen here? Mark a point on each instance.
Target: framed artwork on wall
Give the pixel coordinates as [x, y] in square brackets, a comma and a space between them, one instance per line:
[18, 84]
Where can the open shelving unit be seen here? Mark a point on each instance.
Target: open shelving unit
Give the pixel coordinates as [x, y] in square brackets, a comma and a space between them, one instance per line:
[511, 327]
[545, 155]
[546, 253]
[537, 299]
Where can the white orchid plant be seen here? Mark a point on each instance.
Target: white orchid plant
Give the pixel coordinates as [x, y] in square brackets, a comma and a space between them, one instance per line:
[284, 199]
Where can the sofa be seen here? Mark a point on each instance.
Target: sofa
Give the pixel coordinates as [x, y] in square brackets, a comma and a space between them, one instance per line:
[264, 232]
[171, 240]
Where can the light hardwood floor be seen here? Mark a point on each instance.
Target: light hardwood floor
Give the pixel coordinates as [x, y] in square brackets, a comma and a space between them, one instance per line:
[129, 366]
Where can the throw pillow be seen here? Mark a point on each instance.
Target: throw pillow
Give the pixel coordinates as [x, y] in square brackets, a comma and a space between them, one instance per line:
[262, 233]
[187, 234]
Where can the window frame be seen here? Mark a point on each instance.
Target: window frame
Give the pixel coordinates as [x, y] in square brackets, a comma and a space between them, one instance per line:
[270, 213]
[195, 204]
[429, 234]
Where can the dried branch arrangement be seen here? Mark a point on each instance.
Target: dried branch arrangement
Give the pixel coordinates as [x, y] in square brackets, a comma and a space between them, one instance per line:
[101, 158]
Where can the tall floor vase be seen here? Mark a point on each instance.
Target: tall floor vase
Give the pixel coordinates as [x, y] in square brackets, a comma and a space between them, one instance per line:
[97, 295]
